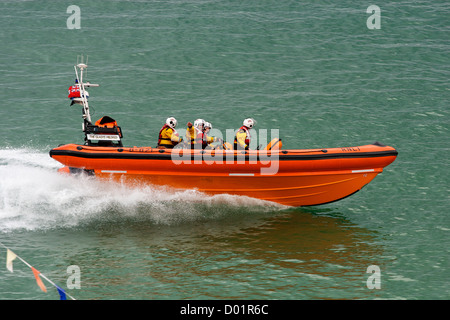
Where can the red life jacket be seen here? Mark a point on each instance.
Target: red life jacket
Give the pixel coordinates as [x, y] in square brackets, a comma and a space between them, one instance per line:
[204, 139]
[199, 135]
[74, 92]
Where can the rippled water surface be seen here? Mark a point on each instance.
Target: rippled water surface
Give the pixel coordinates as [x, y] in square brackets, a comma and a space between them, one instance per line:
[311, 69]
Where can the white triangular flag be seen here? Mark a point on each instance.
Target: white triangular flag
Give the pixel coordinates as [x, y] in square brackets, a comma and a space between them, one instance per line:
[10, 256]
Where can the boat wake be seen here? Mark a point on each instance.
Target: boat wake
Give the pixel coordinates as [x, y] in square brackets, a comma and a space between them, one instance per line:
[33, 196]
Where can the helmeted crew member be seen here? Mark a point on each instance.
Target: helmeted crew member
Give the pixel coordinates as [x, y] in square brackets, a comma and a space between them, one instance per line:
[168, 136]
[208, 127]
[242, 138]
[207, 140]
[194, 133]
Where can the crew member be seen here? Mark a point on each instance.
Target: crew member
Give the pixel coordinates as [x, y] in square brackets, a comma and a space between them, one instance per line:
[168, 136]
[207, 140]
[194, 133]
[242, 138]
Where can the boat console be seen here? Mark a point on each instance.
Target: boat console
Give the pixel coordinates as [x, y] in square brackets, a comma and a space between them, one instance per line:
[102, 136]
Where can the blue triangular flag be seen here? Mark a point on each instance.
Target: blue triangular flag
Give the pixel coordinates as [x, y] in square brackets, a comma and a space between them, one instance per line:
[62, 293]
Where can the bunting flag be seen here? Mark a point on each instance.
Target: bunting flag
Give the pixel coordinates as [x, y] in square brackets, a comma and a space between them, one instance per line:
[62, 293]
[38, 279]
[10, 256]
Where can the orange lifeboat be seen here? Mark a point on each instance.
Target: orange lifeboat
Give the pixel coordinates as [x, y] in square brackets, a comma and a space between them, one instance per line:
[302, 177]
[299, 177]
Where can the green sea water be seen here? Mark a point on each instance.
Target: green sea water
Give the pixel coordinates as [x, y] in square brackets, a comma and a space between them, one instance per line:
[312, 69]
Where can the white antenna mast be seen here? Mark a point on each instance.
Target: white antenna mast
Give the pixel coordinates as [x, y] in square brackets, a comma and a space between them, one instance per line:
[83, 93]
[95, 135]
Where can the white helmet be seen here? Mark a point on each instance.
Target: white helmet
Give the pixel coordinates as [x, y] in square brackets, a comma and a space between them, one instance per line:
[199, 122]
[172, 122]
[208, 125]
[249, 123]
